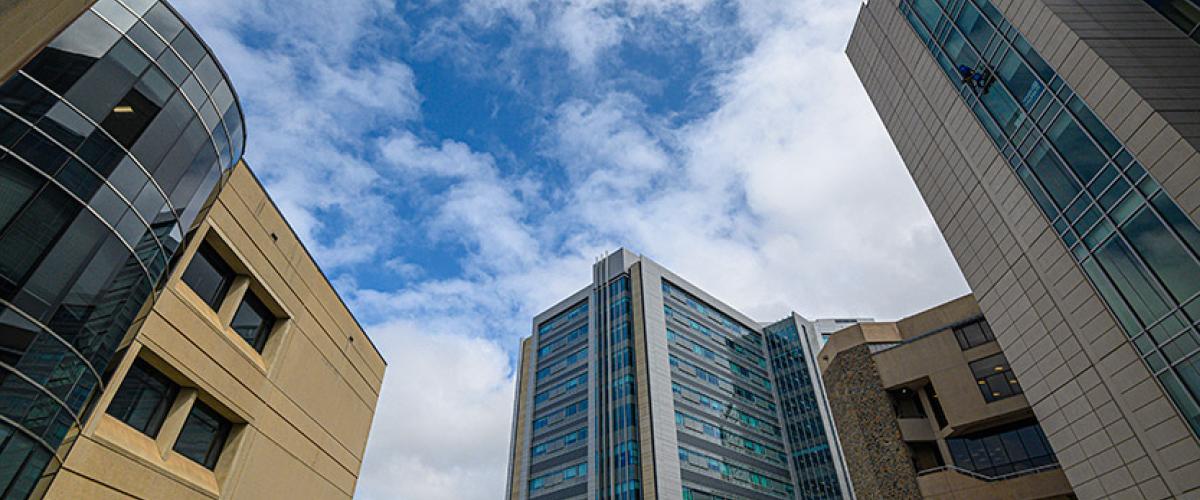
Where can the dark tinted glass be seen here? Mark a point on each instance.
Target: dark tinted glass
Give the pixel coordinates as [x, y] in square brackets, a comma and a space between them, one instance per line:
[208, 276]
[130, 117]
[1004, 450]
[973, 334]
[143, 399]
[253, 321]
[203, 435]
[995, 378]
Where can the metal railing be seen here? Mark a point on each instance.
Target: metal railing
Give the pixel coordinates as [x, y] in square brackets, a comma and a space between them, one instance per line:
[983, 477]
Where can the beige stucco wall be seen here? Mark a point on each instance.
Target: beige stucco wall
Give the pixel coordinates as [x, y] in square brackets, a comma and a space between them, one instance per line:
[28, 25]
[304, 406]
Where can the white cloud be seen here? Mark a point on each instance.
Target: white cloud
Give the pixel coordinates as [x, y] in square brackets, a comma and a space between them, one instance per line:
[441, 427]
[786, 195]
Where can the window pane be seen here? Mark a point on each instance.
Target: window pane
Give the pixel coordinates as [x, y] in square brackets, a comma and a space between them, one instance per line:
[203, 435]
[208, 276]
[143, 399]
[253, 321]
[1164, 254]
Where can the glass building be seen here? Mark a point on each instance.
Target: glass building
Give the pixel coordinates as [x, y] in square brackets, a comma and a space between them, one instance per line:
[112, 138]
[1057, 147]
[643, 386]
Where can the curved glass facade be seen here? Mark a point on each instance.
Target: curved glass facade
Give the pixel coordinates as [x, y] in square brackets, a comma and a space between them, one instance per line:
[111, 140]
[1140, 251]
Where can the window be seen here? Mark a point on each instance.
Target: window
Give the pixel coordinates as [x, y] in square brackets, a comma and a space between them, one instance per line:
[143, 399]
[253, 321]
[973, 334]
[1014, 448]
[996, 379]
[203, 435]
[209, 276]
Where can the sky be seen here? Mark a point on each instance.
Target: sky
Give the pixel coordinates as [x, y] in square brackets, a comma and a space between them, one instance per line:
[456, 166]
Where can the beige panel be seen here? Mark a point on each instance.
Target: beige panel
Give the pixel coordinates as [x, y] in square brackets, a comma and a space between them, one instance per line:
[28, 25]
[305, 404]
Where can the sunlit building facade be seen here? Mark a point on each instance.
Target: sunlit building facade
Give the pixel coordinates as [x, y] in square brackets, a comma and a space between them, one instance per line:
[1056, 146]
[118, 131]
[644, 386]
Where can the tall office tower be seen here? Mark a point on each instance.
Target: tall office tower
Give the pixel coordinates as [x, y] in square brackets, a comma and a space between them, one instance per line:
[929, 408]
[117, 128]
[644, 386]
[1056, 145]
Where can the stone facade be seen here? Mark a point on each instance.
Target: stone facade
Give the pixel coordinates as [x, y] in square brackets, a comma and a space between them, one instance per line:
[879, 462]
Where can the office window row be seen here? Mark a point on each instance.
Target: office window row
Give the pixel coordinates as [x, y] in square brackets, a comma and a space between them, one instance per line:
[211, 278]
[996, 452]
[143, 402]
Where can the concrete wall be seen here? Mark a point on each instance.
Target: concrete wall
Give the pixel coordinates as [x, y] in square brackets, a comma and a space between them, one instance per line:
[28, 25]
[302, 409]
[1109, 421]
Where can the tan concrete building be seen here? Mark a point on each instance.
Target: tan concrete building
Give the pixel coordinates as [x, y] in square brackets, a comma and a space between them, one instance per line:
[300, 409]
[927, 407]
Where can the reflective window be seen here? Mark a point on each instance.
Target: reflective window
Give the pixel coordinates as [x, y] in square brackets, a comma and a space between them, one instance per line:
[995, 378]
[143, 398]
[1002, 451]
[253, 321]
[97, 112]
[203, 435]
[209, 276]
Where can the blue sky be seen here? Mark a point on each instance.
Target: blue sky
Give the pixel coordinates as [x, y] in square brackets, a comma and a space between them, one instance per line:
[457, 165]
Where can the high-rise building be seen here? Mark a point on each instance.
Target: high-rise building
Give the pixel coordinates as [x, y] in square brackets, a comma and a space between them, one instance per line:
[160, 336]
[1056, 146]
[928, 407]
[641, 385]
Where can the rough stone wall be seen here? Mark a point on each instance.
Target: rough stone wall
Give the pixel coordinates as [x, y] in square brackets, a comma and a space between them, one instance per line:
[878, 460]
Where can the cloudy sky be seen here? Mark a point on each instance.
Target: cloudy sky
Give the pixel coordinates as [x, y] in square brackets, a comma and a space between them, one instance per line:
[457, 165]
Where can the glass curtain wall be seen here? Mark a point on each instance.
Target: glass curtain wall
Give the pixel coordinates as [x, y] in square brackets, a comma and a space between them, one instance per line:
[111, 140]
[1129, 237]
[617, 451]
[808, 439]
